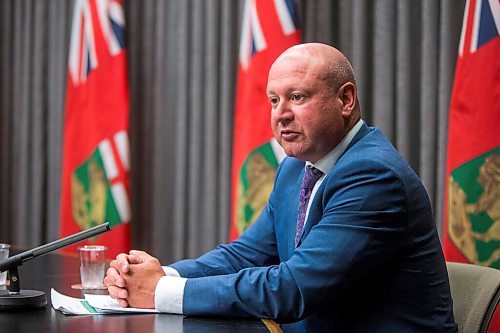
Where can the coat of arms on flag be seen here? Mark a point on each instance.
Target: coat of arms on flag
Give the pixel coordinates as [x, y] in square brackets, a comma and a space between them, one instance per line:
[256, 183]
[474, 206]
[98, 192]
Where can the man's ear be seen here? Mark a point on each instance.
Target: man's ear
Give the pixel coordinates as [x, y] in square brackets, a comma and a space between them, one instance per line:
[347, 94]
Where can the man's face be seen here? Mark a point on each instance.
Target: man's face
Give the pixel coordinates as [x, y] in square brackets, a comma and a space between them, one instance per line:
[306, 116]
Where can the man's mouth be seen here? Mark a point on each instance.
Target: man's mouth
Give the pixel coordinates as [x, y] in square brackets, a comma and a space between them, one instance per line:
[289, 135]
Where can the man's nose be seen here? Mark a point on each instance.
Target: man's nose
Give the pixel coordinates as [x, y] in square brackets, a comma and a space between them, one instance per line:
[283, 111]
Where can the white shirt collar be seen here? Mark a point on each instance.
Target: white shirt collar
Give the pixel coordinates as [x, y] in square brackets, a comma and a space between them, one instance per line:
[327, 162]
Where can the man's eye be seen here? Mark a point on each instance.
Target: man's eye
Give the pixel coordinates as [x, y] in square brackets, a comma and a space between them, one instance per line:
[296, 97]
[273, 100]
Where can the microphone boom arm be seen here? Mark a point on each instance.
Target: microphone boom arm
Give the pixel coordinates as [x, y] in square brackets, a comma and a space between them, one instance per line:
[20, 299]
[19, 259]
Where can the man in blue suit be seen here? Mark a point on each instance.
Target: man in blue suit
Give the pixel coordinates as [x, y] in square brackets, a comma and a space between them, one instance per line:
[353, 250]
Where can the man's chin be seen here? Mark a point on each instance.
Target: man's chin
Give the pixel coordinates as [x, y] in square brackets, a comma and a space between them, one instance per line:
[289, 152]
[292, 153]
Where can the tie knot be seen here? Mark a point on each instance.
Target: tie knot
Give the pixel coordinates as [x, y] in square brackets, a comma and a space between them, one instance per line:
[311, 176]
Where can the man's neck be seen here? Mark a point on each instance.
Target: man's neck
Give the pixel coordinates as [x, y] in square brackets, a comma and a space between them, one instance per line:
[329, 160]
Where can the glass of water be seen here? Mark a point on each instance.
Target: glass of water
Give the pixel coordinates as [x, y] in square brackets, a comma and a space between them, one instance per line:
[92, 266]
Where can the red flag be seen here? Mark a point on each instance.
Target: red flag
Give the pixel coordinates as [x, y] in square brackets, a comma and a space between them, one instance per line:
[95, 186]
[472, 201]
[268, 29]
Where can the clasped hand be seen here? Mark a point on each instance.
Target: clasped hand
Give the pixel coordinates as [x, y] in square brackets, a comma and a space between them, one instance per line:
[132, 279]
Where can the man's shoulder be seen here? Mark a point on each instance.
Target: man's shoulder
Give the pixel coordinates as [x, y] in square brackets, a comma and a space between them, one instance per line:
[376, 154]
[372, 146]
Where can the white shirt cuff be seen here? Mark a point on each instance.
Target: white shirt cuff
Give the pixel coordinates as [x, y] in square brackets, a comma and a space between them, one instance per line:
[169, 271]
[169, 294]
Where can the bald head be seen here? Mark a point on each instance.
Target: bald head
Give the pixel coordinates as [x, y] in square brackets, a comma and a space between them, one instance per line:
[330, 64]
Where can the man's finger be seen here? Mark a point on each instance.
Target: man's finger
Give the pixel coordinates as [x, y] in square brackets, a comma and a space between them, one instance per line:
[113, 278]
[143, 256]
[123, 303]
[118, 293]
[134, 259]
[122, 262]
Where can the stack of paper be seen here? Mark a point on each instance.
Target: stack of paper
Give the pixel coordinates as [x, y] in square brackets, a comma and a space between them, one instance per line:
[92, 304]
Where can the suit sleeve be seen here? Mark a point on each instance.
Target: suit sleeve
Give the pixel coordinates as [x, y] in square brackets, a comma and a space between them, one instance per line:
[362, 225]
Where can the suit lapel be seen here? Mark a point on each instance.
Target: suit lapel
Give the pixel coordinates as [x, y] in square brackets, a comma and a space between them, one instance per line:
[293, 211]
[316, 210]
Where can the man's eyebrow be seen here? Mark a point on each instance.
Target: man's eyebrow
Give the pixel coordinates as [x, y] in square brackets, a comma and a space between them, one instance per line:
[287, 90]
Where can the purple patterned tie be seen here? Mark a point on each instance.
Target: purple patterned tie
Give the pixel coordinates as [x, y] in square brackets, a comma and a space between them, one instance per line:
[311, 176]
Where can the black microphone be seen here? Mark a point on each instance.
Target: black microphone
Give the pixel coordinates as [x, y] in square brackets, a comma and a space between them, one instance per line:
[16, 298]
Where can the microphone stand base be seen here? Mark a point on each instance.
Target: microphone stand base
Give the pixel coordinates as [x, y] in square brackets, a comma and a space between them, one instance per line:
[26, 299]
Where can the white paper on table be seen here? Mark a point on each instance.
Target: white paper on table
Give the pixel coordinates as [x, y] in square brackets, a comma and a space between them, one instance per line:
[92, 304]
[70, 305]
[104, 303]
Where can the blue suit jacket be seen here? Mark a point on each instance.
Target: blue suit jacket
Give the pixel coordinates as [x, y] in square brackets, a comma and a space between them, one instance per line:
[370, 258]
